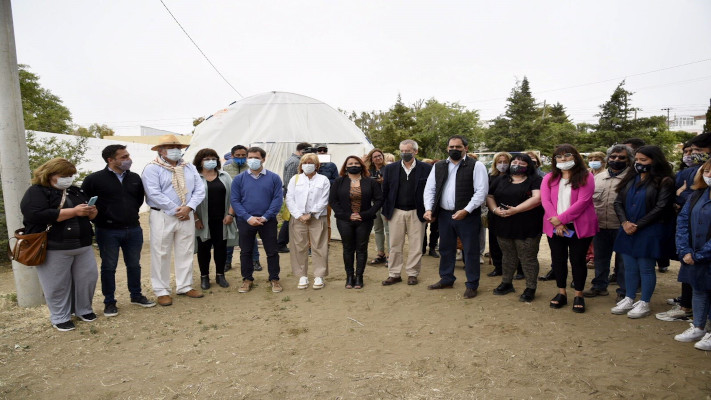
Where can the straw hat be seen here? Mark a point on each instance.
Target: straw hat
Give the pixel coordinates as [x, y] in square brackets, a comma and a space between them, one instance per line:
[168, 140]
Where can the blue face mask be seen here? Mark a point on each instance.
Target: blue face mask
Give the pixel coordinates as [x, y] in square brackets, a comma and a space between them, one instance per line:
[209, 164]
[254, 163]
[240, 160]
[595, 164]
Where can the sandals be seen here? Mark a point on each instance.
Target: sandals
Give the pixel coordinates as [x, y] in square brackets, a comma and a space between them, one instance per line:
[560, 301]
[380, 259]
[579, 304]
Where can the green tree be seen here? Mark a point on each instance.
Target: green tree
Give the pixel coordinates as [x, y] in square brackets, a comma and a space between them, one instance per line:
[615, 113]
[94, 130]
[707, 125]
[435, 122]
[42, 150]
[396, 125]
[520, 127]
[42, 110]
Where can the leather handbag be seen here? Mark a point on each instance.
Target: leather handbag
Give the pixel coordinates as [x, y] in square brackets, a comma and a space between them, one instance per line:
[30, 249]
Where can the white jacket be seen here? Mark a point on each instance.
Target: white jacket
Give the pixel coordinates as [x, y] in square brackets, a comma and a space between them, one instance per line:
[308, 196]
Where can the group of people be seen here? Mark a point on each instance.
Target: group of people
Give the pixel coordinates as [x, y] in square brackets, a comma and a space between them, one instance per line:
[625, 201]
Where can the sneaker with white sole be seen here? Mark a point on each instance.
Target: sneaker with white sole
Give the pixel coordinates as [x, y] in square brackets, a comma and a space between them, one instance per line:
[303, 282]
[674, 301]
[705, 343]
[276, 286]
[692, 334]
[91, 317]
[675, 314]
[641, 309]
[318, 282]
[623, 306]
[65, 326]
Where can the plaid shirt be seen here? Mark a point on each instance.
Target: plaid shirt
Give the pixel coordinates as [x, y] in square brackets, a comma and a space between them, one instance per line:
[291, 168]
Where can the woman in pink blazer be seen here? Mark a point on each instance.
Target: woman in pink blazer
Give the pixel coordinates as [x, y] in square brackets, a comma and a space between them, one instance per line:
[569, 221]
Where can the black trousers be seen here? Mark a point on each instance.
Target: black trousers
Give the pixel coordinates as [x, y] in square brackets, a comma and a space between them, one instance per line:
[574, 248]
[268, 233]
[434, 237]
[494, 249]
[203, 249]
[354, 236]
[283, 238]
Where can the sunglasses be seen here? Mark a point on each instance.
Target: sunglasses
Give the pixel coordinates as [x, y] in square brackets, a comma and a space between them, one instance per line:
[617, 157]
[322, 149]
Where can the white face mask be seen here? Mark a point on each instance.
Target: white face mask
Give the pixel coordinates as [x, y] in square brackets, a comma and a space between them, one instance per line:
[707, 179]
[64, 182]
[254, 163]
[209, 164]
[502, 167]
[564, 166]
[308, 168]
[173, 154]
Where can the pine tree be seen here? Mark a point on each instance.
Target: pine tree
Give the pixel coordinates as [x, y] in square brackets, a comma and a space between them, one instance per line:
[518, 129]
[707, 125]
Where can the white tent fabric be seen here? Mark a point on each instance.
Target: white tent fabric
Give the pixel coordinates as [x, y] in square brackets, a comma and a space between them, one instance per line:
[277, 122]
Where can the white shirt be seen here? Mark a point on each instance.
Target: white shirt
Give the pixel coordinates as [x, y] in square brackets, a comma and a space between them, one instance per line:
[308, 196]
[480, 182]
[408, 170]
[564, 191]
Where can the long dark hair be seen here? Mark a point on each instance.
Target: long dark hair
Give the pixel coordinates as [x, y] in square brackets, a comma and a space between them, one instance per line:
[363, 170]
[532, 168]
[660, 171]
[579, 173]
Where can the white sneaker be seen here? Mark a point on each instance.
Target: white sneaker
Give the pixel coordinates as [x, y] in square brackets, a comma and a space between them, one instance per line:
[623, 306]
[641, 309]
[675, 314]
[481, 260]
[303, 282]
[458, 257]
[318, 282]
[705, 343]
[690, 335]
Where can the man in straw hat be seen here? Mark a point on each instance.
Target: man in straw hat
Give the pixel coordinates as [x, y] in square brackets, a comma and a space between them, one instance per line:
[173, 191]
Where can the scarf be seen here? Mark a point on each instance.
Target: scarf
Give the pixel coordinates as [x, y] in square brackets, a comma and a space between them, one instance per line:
[178, 179]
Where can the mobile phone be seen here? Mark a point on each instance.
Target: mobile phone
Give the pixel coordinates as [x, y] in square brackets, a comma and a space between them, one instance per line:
[570, 233]
[92, 200]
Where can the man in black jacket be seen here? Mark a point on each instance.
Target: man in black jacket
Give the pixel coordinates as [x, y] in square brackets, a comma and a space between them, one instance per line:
[119, 196]
[403, 208]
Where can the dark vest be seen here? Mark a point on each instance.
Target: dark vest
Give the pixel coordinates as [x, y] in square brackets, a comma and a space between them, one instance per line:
[464, 188]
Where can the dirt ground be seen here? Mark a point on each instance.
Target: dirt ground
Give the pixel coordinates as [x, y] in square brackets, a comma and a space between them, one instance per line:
[401, 342]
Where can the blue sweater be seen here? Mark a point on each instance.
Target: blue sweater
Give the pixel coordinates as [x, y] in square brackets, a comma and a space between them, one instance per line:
[256, 197]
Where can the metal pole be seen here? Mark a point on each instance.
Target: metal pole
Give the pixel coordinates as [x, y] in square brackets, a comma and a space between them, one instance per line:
[14, 165]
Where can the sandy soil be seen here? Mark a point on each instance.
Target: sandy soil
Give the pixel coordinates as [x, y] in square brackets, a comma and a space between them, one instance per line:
[380, 342]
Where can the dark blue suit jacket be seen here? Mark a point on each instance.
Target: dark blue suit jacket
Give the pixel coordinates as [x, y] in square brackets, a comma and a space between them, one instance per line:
[391, 182]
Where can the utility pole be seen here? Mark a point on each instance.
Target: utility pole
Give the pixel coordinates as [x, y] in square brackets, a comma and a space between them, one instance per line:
[668, 122]
[14, 165]
[544, 109]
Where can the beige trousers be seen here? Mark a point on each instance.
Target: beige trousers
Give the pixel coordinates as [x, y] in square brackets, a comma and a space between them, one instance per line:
[405, 223]
[300, 234]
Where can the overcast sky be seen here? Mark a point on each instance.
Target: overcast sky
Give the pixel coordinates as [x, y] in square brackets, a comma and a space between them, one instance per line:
[127, 63]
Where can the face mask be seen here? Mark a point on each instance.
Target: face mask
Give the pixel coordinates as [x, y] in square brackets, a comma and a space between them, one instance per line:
[125, 165]
[617, 165]
[407, 157]
[455, 155]
[640, 168]
[595, 164]
[254, 163]
[700, 158]
[707, 179]
[564, 166]
[308, 168]
[355, 170]
[63, 183]
[688, 160]
[173, 154]
[502, 167]
[240, 161]
[209, 164]
[518, 170]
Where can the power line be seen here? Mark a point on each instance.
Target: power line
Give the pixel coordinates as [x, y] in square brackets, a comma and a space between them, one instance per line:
[200, 50]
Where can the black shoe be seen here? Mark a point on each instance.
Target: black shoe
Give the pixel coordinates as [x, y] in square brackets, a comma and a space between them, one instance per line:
[110, 310]
[560, 301]
[283, 249]
[619, 297]
[547, 277]
[358, 283]
[495, 272]
[65, 326]
[143, 302]
[433, 253]
[228, 267]
[504, 288]
[469, 293]
[204, 282]
[350, 280]
[528, 295]
[612, 278]
[220, 279]
[91, 317]
[579, 304]
[519, 276]
[663, 269]
[257, 266]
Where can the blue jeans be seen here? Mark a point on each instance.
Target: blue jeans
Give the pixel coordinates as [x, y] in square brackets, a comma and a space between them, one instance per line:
[603, 243]
[636, 269]
[467, 230]
[231, 250]
[701, 301]
[130, 241]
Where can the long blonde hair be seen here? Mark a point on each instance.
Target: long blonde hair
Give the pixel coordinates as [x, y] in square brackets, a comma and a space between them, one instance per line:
[495, 172]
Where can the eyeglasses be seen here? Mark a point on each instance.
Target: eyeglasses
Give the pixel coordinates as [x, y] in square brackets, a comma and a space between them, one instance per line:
[322, 149]
[617, 157]
[562, 156]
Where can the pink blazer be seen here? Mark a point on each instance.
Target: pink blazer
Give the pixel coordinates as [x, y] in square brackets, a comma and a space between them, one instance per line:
[581, 212]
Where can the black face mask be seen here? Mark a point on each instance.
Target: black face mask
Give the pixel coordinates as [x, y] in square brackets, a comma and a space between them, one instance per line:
[518, 170]
[455, 155]
[617, 165]
[640, 168]
[407, 157]
[355, 170]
